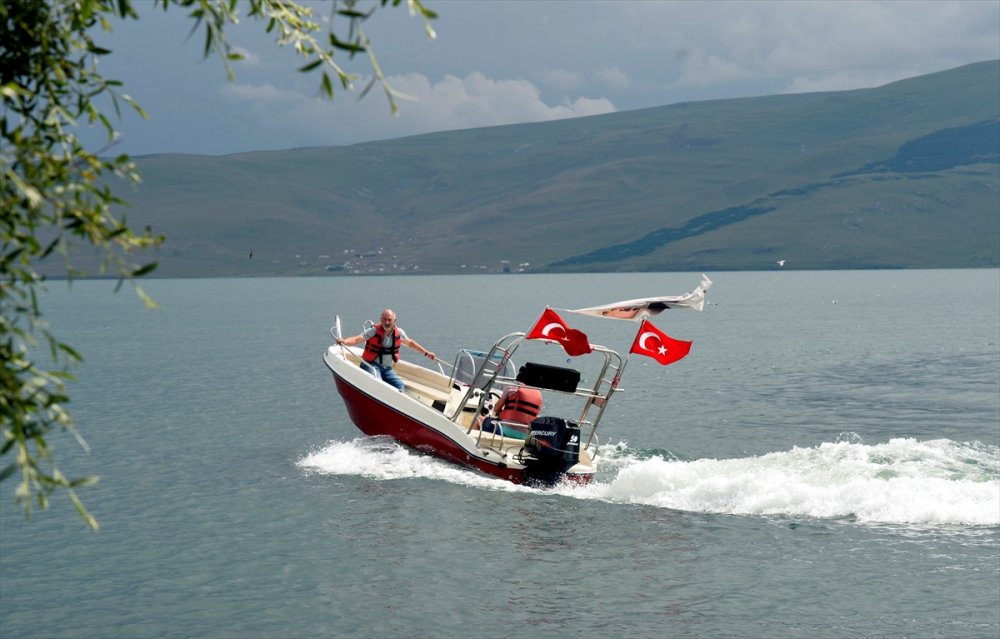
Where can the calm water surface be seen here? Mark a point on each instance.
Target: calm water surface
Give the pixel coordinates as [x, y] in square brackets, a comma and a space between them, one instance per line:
[825, 463]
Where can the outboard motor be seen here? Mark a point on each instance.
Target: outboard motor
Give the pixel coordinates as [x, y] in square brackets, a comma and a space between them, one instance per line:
[554, 442]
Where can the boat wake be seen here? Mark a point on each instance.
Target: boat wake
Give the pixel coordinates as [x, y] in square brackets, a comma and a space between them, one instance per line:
[383, 458]
[902, 481]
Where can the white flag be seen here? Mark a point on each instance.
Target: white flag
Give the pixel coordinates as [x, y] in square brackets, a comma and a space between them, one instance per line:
[640, 309]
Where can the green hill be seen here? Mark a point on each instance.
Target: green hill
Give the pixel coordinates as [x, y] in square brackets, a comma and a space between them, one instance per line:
[902, 176]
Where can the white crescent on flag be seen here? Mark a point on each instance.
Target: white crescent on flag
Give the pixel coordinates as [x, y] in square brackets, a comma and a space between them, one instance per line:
[643, 338]
[547, 330]
[644, 308]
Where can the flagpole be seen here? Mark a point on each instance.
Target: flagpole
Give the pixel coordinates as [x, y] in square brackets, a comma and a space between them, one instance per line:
[628, 356]
[621, 371]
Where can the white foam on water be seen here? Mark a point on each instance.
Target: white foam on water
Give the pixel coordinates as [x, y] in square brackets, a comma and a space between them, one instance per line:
[381, 458]
[902, 481]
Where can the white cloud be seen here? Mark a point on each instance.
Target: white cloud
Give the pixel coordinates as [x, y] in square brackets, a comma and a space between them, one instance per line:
[451, 103]
[258, 94]
[589, 106]
[477, 100]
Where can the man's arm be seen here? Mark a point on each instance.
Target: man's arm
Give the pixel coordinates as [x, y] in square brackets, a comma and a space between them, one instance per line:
[412, 343]
[351, 341]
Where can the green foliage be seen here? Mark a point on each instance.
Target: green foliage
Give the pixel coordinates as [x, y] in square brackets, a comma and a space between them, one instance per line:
[56, 194]
[294, 25]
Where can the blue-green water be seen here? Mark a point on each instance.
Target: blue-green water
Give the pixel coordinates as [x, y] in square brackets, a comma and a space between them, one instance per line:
[825, 463]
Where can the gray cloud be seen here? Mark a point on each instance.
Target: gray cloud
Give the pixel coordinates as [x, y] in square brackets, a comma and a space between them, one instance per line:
[500, 62]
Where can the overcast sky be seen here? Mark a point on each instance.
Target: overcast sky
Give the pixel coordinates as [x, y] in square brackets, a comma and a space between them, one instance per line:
[501, 62]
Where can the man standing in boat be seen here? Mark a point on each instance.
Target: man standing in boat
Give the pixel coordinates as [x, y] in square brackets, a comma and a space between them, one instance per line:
[382, 343]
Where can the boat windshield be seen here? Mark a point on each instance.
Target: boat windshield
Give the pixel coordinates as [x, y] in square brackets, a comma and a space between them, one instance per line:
[468, 363]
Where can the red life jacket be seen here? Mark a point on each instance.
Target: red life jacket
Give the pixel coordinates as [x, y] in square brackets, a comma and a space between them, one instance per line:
[374, 348]
[522, 405]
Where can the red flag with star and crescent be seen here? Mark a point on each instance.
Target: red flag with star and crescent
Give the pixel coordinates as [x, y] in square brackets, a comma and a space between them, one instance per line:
[551, 327]
[652, 342]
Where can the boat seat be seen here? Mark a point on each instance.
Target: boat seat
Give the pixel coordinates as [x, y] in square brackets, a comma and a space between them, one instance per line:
[495, 441]
[429, 392]
[511, 430]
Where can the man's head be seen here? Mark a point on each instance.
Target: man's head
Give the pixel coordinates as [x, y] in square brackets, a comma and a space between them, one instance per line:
[388, 318]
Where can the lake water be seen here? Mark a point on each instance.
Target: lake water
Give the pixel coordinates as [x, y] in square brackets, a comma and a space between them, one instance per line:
[825, 463]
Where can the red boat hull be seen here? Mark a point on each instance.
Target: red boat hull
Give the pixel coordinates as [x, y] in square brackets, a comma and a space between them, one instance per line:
[374, 417]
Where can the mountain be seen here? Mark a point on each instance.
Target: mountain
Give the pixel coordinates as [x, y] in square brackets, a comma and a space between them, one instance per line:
[906, 175]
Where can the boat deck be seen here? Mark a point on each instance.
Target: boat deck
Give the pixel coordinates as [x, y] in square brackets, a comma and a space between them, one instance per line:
[431, 389]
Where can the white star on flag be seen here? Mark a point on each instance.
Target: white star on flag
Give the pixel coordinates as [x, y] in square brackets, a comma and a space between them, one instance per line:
[652, 342]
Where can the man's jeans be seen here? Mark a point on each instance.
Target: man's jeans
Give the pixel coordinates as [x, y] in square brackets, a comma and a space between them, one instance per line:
[385, 373]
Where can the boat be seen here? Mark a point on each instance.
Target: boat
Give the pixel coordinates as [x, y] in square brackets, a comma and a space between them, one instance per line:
[441, 412]
[448, 413]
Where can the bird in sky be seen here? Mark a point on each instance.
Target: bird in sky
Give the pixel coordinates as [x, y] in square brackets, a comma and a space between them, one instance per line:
[781, 262]
[251, 254]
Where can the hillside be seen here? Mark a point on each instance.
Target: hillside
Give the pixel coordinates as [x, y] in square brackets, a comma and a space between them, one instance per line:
[902, 176]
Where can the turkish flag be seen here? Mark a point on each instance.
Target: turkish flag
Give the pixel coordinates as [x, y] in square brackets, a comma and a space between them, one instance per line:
[652, 342]
[551, 327]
